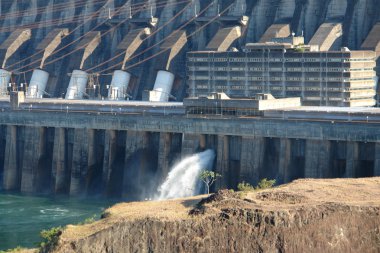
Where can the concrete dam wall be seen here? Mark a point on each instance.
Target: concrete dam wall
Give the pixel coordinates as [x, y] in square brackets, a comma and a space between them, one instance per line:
[129, 155]
[66, 35]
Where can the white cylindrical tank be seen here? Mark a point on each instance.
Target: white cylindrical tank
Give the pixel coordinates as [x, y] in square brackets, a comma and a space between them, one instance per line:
[119, 85]
[37, 84]
[77, 85]
[5, 77]
[162, 87]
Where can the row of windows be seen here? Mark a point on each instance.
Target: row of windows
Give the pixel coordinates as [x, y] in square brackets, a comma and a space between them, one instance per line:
[266, 59]
[262, 78]
[259, 87]
[193, 68]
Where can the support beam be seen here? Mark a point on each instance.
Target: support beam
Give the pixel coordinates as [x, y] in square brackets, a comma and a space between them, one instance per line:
[275, 31]
[317, 159]
[224, 38]
[284, 160]
[222, 162]
[131, 43]
[352, 159]
[79, 163]
[35, 145]
[61, 176]
[48, 45]
[110, 146]
[164, 155]
[328, 37]
[252, 159]
[190, 144]
[376, 171]
[12, 172]
[13, 43]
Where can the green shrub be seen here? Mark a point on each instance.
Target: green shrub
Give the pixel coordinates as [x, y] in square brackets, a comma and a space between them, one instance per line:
[50, 239]
[243, 186]
[89, 220]
[265, 184]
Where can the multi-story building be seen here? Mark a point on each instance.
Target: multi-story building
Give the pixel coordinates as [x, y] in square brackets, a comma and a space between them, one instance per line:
[331, 78]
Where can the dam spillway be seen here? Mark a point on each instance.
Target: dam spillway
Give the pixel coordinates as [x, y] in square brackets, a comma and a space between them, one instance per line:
[126, 149]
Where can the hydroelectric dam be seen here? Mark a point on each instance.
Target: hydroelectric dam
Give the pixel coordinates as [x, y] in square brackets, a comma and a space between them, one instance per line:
[126, 148]
[103, 97]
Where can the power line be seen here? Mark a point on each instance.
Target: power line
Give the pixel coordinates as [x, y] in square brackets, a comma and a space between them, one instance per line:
[149, 36]
[144, 51]
[162, 4]
[188, 36]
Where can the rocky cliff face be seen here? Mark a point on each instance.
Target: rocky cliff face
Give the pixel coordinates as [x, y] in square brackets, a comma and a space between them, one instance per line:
[357, 18]
[340, 215]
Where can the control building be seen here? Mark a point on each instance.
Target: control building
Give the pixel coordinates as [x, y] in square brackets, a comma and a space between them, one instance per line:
[321, 78]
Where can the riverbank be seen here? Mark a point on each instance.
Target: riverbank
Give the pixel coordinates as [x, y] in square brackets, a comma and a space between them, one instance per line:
[332, 215]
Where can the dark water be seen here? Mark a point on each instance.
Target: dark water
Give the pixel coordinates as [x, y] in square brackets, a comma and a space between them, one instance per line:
[23, 217]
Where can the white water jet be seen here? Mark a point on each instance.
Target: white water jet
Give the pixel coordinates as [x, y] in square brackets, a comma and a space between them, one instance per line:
[183, 178]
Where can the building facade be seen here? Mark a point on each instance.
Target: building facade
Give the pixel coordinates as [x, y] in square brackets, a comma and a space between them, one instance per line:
[331, 78]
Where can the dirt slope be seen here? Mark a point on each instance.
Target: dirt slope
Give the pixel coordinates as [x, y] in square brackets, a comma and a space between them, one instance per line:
[338, 215]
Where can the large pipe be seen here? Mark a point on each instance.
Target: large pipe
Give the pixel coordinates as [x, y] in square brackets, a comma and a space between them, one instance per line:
[37, 84]
[77, 85]
[119, 85]
[5, 77]
[162, 87]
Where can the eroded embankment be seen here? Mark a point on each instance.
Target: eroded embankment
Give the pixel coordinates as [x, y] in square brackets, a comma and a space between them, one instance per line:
[339, 215]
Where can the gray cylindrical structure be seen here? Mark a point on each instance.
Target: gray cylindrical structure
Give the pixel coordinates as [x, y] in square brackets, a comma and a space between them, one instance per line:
[5, 77]
[119, 85]
[77, 85]
[37, 85]
[162, 87]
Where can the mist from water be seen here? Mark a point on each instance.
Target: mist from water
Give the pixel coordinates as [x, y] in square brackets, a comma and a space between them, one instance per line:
[183, 179]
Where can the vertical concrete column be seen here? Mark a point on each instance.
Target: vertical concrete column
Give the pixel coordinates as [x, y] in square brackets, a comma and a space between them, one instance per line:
[79, 162]
[252, 159]
[284, 160]
[110, 146]
[163, 155]
[34, 138]
[61, 179]
[317, 159]
[91, 157]
[376, 170]
[222, 161]
[352, 158]
[12, 177]
[190, 143]
[134, 164]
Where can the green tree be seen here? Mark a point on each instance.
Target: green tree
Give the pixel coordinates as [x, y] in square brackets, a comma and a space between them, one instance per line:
[209, 177]
[265, 184]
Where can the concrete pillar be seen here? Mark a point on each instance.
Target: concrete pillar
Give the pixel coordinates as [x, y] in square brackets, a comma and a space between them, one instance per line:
[252, 159]
[163, 155]
[34, 151]
[317, 159]
[12, 177]
[135, 165]
[110, 145]
[222, 162]
[284, 160]
[352, 159]
[79, 162]
[376, 170]
[59, 168]
[190, 144]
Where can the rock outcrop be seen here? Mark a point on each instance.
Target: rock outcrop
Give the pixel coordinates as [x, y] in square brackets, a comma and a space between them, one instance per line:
[337, 215]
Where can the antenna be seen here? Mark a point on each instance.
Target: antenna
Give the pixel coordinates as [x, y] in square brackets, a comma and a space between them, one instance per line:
[151, 11]
[130, 12]
[109, 13]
